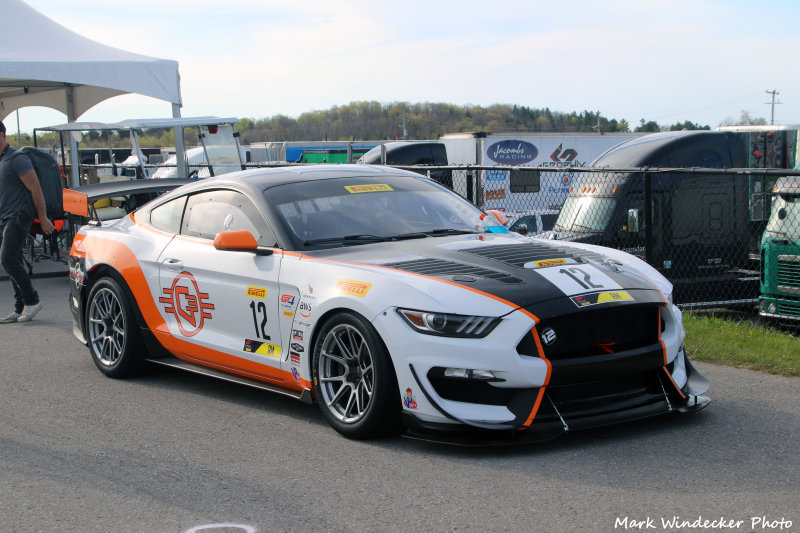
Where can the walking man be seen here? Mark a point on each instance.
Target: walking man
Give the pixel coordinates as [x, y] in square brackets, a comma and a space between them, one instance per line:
[21, 200]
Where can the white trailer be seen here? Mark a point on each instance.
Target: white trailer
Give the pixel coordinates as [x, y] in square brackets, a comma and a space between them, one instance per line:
[509, 191]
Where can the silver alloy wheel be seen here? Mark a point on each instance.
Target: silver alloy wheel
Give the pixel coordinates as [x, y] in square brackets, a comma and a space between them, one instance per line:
[106, 327]
[346, 373]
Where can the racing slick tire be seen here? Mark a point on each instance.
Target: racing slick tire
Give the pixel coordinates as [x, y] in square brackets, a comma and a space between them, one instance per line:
[111, 331]
[354, 380]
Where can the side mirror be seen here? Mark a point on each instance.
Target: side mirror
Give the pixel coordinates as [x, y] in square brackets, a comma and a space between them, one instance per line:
[522, 229]
[633, 221]
[239, 240]
[782, 213]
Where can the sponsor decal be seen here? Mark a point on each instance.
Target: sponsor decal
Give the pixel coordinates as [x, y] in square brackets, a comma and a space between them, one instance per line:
[189, 306]
[257, 292]
[76, 274]
[544, 263]
[586, 300]
[297, 335]
[298, 347]
[512, 152]
[374, 187]
[305, 309]
[287, 299]
[310, 289]
[563, 157]
[495, 175]
[296, 374]
[288, 314]
[262, 348]
[408, 399]
[295, 358]
[495, 194]
[356, 288]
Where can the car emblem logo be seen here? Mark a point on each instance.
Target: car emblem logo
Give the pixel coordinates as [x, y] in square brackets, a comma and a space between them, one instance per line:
[189, 306]
[548, 336]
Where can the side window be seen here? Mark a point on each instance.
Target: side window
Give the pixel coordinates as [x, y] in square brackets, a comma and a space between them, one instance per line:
[167, 217]
[210, 212]
[634, 202]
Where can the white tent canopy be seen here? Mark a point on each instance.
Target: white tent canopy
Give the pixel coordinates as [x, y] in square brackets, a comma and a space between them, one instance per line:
[44, 64]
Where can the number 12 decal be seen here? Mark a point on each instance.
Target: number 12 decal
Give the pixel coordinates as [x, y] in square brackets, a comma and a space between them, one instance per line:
[260, 311]
[587, 280]
[579, 279]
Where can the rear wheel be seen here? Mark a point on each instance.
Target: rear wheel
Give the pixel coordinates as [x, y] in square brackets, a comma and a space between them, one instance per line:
[354, 380]
[113, 337]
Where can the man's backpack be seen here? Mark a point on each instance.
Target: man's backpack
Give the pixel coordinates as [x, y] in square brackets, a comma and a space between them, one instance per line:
[49, 174]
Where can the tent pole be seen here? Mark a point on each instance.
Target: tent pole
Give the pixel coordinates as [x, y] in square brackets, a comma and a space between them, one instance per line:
[74, 155]
[180, 150]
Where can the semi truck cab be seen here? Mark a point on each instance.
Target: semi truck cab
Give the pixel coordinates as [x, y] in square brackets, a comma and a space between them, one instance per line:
[780, 254]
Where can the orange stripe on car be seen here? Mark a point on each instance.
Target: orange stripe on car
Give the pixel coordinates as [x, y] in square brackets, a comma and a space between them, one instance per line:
[123, 260]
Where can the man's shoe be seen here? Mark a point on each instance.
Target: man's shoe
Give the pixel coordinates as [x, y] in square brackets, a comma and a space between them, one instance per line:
[28, 312]
[13, 317]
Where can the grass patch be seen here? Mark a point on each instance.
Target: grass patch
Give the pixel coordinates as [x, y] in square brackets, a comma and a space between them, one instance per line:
[741, 344]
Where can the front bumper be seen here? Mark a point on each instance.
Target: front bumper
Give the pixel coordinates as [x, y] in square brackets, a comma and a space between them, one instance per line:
[534, 398]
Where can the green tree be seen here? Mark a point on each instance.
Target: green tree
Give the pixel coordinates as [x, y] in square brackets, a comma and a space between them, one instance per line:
[649, 126]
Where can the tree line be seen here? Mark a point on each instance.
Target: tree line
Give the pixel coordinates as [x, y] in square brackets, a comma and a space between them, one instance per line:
[358, 121]
[402, 120]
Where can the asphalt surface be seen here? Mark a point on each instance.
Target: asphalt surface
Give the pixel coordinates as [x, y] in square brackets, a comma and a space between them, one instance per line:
[175, 452]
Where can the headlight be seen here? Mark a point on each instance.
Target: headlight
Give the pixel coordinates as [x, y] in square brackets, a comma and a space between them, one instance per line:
[449, 325]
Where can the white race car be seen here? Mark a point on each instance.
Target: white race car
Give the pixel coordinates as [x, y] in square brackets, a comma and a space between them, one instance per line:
[385, 298]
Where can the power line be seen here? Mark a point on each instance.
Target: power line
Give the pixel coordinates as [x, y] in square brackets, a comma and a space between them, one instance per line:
[773, 92]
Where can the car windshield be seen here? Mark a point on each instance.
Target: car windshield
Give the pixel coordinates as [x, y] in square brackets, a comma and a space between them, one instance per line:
[582, 214]
[350, 211]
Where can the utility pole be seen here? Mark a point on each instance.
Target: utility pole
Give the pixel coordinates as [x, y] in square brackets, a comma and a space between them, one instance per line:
[773, 92]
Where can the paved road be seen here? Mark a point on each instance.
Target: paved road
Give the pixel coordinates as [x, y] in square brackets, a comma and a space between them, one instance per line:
[173, 452]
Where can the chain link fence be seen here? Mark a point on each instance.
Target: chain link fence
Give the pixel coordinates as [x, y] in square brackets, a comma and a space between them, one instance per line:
[721, 236]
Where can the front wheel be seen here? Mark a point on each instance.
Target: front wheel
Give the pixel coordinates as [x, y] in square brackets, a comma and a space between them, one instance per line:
[113, 337]
[354, 380]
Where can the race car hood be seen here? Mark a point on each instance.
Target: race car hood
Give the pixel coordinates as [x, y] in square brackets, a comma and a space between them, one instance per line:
[548, 278]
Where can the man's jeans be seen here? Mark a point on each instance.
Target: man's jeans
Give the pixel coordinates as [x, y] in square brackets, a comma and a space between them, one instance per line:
[12, 236]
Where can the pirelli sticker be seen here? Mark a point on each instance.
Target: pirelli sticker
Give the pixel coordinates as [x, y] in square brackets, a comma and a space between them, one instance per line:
[544, 263]
[262, 348]
[356, 288]
[374, 187]
[257, 292]
[585, 300]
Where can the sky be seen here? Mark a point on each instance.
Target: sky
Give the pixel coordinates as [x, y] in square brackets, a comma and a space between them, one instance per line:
[667, 61]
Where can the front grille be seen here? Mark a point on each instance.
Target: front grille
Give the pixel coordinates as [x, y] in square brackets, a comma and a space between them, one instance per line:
[603, 331]
[789, 273]
[787, 307]
[440, 268]
[519, 254]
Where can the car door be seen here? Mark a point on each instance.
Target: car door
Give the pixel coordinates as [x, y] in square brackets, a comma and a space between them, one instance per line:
[224, 304]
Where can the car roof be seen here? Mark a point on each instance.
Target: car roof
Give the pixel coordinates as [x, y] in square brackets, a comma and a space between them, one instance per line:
[257, 180]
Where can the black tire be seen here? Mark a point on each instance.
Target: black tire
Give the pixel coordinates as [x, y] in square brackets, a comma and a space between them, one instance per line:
[111, 331]
[354, 380]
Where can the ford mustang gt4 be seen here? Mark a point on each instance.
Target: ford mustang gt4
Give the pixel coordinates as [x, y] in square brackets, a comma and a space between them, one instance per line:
[386, 299]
